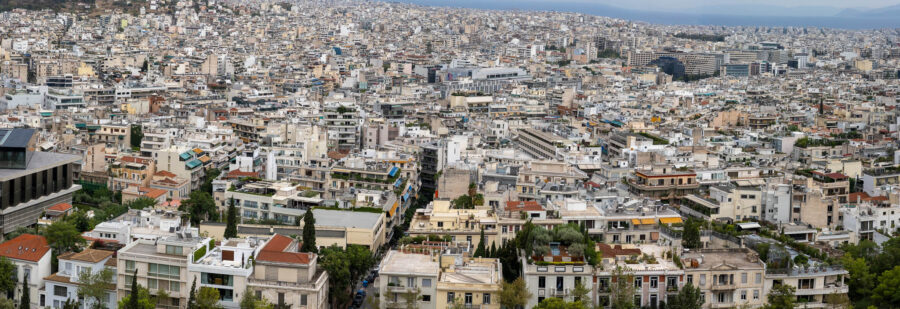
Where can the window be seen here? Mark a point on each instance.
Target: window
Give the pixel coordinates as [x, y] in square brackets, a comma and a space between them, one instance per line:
[59, 291]
[411, 282]
[559, 283]
[280, 298]
[303, 300]
[743, 295]
[806, 284]
[690, 279]
[129, 266]
[451, 297]
[166, 271]
[426, 298]
[637, 300]
[758, 278]
[654, 282]
[486, 299]
[542, 282]
[426, 282]
[468, 299]
[743, 277]
[755, 294]
[702, 280]
[174, 250]
[638, 282]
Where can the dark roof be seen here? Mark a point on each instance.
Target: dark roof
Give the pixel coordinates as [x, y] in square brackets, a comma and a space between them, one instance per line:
[15, 138]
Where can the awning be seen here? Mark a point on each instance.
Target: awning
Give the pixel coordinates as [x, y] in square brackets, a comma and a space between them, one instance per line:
[192, 164]
[670, 220]
[406, 196]
[185, 156]
[635, 221]
[748, 225]
[648, 221]
[393, 171]
[393, 209]
[398, 182]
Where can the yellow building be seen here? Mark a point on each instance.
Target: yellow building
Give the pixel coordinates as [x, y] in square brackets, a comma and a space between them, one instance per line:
[471, 282]
[439, 218]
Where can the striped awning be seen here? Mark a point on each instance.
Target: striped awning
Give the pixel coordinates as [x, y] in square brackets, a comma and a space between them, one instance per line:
[670, 220]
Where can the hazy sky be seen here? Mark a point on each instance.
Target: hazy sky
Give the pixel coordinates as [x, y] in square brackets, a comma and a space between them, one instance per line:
[660, 4]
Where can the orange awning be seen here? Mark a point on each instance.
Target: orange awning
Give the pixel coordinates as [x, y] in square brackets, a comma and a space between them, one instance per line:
[635, 221]
[648, 221]
[394, 208]
[670, 220]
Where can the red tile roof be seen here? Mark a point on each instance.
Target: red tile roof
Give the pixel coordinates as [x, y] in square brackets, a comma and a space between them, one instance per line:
[523, 206]
[26, 247]
[274, 251]
[61, 207]
[165, 173]
[239, 174]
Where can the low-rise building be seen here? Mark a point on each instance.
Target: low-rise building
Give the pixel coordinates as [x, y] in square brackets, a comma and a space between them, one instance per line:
[289, 278]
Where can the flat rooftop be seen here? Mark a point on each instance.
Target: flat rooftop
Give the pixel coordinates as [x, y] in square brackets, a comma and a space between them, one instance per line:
[346, 218]
[39, 161]
[397, 262]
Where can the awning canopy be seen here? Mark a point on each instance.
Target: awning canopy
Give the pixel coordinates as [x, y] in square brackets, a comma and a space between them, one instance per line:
[648, 221]
[393, 209]
[748, 225]
[635, 221]
[393, 171]
[670, 220]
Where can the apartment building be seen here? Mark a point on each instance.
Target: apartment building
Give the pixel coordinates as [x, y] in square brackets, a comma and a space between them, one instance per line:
[471, 282]
[31, 256]
[556, 275]
[663, 182]
[159, 265]
[403, 273]
[532, 176]
[439, 218]
[63, 285]
[542, 145]
[286, 277]
[266, 200]
[813, 284]
[656, 277]
[130, 171]
[727, 278]
[225, 267]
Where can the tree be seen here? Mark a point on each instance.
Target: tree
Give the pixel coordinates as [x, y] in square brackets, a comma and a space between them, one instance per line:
[64, 237]
[309, 233]
[622, 289]
[251, 301]
[689, 297]
[134, 297]
[781, 297]
[361, 260]
[145, 66]
[580, 292]
[95, 285]
[334, 260]
[208, 298]
[492, 253]
[411, 298]
[25, 301]
[514, 294]
[861, 278]
[211, 174]
[81, 221]
[137, 135]
[801, 260]
[138, 299]
[691, 236]
[888, 289]
[231, 220]
[479, 252]
[200, 206]
[837, 301]
[7, 283]
[192, 296]
[558, 303]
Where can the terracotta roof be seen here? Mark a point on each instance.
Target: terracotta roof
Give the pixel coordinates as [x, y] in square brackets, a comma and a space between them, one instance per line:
[239, 174]
[613, 251]
[89, 255]
[133, 159]
[337, 155]
[165, 173]
[274, 251]
[523, 206]
[26, 247]
[152, 192]
[61, 207]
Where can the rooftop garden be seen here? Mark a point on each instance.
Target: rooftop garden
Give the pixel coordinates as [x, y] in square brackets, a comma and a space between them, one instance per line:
[806, 142]
[656, 139]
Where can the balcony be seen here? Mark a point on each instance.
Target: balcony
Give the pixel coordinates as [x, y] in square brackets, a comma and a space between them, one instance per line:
[723, 287]
[823, 291]
[559, 293]
[722, 305]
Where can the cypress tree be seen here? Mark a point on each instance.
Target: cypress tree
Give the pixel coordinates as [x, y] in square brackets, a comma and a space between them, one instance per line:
[26, 294]
[309, 233]
[192, 300]
[479, 252]
[493, 253]
[231, 219]
[133, 300]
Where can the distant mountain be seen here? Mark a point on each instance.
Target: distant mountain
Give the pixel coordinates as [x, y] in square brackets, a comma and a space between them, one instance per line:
[767, 10]
[723, 15]
[885, 12]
